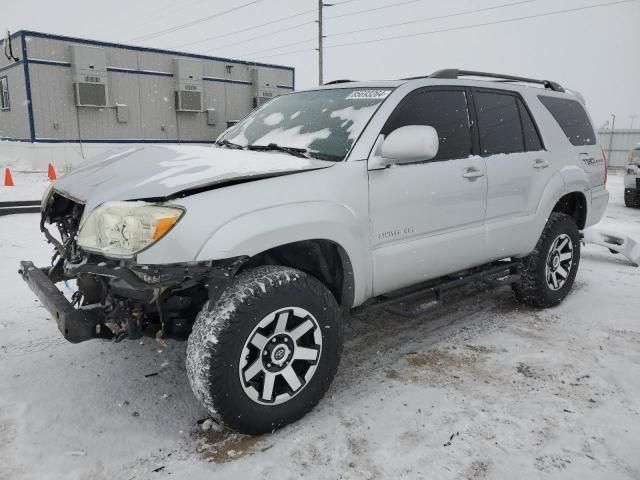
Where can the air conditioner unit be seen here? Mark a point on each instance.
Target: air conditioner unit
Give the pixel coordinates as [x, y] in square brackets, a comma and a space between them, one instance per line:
[188, 84]
[265, 85]
[89, 72]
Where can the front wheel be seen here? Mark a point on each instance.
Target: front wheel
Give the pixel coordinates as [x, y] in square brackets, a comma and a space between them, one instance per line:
[547, 274]
[267, 352]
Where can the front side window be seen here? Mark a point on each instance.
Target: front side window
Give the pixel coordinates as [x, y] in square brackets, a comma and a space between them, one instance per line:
[444, 110]
[325, 123]
[499, 123]
[572, 118]
[4, 94]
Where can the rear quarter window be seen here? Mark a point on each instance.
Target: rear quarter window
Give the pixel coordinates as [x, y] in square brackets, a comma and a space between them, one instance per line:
[571, 118]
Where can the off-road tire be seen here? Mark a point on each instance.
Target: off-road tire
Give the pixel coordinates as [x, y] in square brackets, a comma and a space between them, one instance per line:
[532, 287]
[632, 197]
[216, 345]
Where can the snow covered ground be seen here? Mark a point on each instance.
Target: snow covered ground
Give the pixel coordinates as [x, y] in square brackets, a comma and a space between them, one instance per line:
[486, 389]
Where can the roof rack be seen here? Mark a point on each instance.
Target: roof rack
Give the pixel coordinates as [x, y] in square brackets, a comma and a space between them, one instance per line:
[454, 73]
[334, 82]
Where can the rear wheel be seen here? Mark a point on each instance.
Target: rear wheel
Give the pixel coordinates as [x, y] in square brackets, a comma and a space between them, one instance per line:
[548, 273]
[632, 197]
[267, 352]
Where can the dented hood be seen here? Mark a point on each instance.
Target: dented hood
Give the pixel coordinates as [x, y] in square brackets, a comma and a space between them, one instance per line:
[164, 171]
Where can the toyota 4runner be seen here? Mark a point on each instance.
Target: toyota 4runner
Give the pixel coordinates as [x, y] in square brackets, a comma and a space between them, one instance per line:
[316, 203]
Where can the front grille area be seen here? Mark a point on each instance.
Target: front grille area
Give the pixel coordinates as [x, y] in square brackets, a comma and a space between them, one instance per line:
[65, 213]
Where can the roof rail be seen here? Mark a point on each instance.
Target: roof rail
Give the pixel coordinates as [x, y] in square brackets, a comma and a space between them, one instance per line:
[334, 82]
[453, 73]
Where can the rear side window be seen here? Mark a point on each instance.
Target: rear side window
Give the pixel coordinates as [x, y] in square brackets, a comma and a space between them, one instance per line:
[532, 141]
[499, 123]
[444, 110]
[572, 118]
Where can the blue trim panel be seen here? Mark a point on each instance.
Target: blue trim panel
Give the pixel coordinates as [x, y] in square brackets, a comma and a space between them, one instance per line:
[49, 62]
[121, 140]
[147, 49]
[7, 67]
[9, 139]
[149, 72]
[139, 72]
[27, 82]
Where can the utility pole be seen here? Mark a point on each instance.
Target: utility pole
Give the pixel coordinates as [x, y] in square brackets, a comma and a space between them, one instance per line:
[320, 6]
[612, 133]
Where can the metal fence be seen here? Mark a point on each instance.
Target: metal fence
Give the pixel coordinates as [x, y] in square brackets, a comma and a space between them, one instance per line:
[617, 144]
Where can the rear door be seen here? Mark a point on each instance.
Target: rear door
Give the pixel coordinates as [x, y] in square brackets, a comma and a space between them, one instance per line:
[427, 218]
[518, 168]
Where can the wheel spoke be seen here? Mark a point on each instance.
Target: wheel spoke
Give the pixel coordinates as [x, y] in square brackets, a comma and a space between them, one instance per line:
[291, 377]
[302, 353]
[562, 272]
[301, 329]
[253, 370]
[259, 341]
[554, 279]
[267, 388]
[565, 256]
[563, 244]
[281, 325]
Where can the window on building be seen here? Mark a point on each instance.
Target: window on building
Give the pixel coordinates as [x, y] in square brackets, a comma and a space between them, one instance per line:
[444, 110]
[4, 93]
[499, 123]
[572, 118]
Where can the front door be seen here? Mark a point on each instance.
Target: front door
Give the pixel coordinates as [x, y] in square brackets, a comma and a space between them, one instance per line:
[427, 218]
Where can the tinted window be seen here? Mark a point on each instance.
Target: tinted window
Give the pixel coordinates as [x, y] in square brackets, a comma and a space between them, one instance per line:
[498, 123]
[532, 140]
[444, 110]
[572, 119]
[4, 93]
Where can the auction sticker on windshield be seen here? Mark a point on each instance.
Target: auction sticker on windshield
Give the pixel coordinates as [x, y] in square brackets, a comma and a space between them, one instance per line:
[368, 94]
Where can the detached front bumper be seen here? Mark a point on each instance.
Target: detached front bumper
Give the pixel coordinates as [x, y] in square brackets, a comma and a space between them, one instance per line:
[75, 324]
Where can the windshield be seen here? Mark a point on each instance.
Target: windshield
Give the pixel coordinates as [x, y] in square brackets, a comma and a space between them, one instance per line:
[325, 123]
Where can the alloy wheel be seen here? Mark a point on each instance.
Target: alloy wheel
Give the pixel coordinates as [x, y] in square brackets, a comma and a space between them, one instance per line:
[280, 356]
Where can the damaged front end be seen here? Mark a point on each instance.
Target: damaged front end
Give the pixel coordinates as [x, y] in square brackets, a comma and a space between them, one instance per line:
[118, 298]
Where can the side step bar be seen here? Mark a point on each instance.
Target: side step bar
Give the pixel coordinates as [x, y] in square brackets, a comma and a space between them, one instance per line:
[493, 275]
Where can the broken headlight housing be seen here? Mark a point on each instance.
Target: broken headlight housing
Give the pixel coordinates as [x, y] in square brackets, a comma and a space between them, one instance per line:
[122, 229]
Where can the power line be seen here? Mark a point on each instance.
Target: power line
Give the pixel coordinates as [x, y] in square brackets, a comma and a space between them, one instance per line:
[496, 22]
[270, 34]
[428, 19]
[464, 27]
[215, 37]
[193, 22]
[393, 24]
[245, 29]
[367, 10]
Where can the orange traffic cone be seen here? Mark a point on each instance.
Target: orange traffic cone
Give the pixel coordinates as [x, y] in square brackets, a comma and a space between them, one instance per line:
[52, 172]
[8, 179]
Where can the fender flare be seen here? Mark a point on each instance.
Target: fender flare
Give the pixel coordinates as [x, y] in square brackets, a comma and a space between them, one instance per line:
[260, 230]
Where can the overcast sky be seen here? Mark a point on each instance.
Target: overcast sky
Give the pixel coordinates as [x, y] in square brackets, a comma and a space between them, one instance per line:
[595, 51]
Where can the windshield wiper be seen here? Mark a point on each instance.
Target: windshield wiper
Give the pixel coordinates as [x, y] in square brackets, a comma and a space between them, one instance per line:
[298, 152]
[228, 144]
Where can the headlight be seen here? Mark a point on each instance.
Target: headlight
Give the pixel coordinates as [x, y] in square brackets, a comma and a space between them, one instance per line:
[122, 229]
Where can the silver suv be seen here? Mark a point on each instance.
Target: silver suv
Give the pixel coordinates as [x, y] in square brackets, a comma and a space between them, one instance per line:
[350, 196]
[632, 179]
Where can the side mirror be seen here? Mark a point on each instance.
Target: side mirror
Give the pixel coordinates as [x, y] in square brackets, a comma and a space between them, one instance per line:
[413, 143]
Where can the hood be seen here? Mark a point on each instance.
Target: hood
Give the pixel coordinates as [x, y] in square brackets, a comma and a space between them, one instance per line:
[165, 171]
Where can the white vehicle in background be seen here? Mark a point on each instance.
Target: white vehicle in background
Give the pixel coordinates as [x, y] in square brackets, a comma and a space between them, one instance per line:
[632, 179]
[349, 196]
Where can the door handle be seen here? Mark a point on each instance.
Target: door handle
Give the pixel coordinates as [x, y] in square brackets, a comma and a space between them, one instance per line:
[472, 173]
[540, 163]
